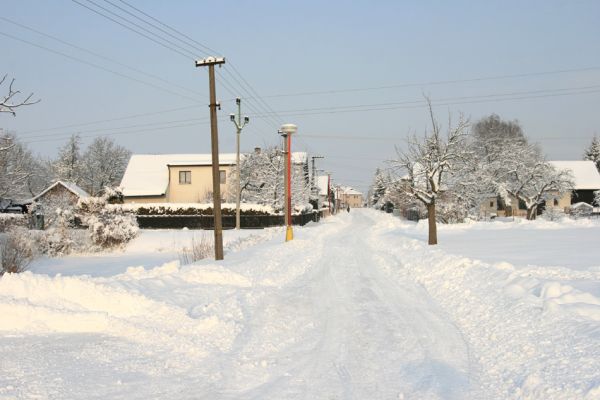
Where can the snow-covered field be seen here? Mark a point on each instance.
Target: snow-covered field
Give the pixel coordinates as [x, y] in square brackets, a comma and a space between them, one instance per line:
[356, 307]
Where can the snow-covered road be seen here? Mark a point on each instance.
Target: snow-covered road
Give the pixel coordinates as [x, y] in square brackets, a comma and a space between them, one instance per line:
[351, 309]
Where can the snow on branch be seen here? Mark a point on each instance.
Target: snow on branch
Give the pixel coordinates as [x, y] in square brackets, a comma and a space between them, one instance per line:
[8, 104]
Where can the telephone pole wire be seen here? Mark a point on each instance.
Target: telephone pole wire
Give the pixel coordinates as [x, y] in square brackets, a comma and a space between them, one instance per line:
[239, 125]
[214, 141]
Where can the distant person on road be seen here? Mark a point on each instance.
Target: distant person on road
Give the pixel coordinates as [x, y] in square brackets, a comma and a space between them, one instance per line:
[348, 209]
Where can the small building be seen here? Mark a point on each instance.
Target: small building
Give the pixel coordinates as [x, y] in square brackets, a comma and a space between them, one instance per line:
[173, 178]
[349, 197]
[587, 181]
[60, 192]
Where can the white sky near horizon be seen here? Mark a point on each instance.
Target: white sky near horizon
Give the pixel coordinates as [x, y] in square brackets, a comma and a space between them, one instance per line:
[397, 50]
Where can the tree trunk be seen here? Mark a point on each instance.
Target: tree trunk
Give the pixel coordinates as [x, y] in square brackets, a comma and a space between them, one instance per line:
[432, 224]
[532, 213]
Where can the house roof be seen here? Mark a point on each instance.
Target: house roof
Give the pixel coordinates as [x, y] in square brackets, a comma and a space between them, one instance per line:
[70, 186]
[350, 191]
[322, 184]
[585, 173]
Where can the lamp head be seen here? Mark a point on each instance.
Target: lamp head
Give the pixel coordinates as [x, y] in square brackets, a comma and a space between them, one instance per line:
[289, 129]
[246, 119]
[232, 117]
[238, 100]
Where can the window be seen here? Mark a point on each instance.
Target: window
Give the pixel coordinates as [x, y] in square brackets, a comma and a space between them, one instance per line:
[491, 204]
[555, 202]
[223, 176]
[185, 177]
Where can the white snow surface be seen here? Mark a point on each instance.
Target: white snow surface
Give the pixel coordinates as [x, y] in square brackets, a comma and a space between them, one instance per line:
[585, 173]
[355, 307]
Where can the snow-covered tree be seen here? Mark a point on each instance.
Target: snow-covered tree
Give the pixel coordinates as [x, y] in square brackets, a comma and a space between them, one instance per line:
[378, 188]
[103, 164]
[427, 163]
[592, 153]
[525, 174]
[262, 179]
[20, 171]
[68, 165]
[9, 103]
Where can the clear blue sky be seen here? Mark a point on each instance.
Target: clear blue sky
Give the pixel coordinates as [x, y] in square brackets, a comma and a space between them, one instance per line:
[310, 46]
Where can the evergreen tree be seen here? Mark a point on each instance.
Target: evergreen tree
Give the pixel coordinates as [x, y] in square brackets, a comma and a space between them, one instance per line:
[592, 153]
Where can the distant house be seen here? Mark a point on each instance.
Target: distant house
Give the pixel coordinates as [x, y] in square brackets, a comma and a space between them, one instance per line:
[173, 178]
[177, 178]
[586, 179]
[349, 197]
[60, 192]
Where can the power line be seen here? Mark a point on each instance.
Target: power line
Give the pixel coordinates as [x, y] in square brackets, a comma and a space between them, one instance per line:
[434, 83]
[98, 55]
[208, 49]
[185, 53]
[53, 139]
[192, 44]
[132, 116]
[121, 127]
[422, 103]
[93, 65]
[205, 49]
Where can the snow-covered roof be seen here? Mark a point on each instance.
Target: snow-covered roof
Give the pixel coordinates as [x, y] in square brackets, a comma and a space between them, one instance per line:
[148, 174]
[299, 157]
[350, 191]
[322, 181]
[70, 186]
[585, 173]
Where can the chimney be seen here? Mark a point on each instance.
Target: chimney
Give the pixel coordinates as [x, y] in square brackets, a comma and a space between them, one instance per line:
[257, 150]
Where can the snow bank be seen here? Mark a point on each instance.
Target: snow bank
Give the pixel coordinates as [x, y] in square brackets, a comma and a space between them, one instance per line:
[533, 333]
[38, 304]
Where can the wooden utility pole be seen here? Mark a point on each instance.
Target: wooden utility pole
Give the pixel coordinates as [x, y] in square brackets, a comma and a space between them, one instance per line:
[287, 131]
[214, 142]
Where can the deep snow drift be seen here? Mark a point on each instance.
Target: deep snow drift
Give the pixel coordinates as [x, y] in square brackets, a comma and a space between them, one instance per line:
[357, 306]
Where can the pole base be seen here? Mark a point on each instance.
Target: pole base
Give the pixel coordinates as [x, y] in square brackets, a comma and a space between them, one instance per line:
[289, 234]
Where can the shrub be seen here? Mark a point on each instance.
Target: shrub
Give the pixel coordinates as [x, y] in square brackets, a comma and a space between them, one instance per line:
[8, 221]
[198, 250]
[553, 214]
[110, 228]
[16, 252]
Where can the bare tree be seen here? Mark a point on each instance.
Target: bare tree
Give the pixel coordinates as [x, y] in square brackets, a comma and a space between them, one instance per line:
[8, 103]
[428, 161]
[68, 165]
[103, 164]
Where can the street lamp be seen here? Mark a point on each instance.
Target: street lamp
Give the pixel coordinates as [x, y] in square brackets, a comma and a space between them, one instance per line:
[239, 125]
[287, 130]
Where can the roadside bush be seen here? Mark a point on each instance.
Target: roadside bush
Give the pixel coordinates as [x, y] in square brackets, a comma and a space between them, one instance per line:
[8, 221]
[111, 228]
[16, 251]
[199, 249]
[553, 214]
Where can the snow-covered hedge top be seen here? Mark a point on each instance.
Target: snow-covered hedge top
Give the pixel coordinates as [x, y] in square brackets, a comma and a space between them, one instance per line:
[189, 208]
[11, 216]
[200, 209]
